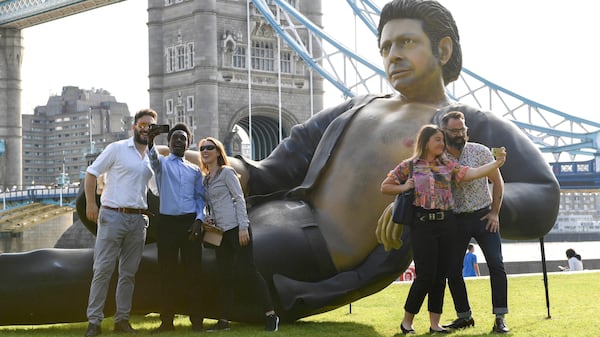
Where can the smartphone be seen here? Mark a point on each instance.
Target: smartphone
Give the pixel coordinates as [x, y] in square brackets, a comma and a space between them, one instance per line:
[496, 151]
[163, 128]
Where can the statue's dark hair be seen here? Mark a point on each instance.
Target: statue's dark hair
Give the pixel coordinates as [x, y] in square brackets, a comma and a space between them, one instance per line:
[437, 24]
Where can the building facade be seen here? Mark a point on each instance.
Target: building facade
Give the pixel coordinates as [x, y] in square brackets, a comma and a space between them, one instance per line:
[59, 135]
[200, 54]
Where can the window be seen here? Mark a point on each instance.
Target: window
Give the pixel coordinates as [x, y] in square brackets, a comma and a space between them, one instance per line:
[171, 2]
[170, 59]
[239, 57]
[286, 62]
[180, 57]
[180, 114]
[190, 52]
[263, 55]
[190, 103]
[293, 3]
[169, 106]
[190, 123]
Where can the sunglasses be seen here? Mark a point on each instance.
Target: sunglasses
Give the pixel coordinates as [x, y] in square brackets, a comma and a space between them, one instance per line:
[143, 125]
[207, 148]
[461, 130]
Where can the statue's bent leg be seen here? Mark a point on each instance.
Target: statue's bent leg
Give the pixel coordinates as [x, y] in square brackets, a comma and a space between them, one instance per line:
[293, 257]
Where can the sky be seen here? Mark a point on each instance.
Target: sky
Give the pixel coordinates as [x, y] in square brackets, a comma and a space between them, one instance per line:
[540, 49]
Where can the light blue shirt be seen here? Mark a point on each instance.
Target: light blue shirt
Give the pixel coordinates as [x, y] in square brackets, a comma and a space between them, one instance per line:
[179, 185]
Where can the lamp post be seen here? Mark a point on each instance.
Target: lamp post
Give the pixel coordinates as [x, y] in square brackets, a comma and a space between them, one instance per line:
[62, 180]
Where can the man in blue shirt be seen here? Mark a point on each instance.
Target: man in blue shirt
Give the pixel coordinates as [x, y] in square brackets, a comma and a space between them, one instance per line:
[179, 224]
[470, 266]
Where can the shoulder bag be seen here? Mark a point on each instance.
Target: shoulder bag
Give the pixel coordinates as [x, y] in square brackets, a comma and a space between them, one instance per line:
[213, 235]
[403, 209]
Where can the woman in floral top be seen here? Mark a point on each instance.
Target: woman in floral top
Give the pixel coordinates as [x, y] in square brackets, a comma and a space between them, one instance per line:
[432, 228]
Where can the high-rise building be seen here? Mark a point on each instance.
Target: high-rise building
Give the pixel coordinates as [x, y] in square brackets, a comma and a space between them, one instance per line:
[200, 54]
[59, 135]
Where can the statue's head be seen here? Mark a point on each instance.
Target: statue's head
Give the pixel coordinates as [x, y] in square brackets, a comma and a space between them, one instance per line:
[437, 23]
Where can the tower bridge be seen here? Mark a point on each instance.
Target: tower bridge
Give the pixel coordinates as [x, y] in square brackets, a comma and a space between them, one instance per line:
[316, 56]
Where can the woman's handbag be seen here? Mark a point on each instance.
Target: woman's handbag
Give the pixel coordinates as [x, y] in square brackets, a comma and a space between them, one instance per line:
[213, 235]
[403, 210]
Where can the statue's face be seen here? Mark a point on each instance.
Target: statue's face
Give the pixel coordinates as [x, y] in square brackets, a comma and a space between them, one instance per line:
[407, 58]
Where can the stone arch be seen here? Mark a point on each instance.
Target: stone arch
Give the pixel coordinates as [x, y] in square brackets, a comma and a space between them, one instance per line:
[265, 129]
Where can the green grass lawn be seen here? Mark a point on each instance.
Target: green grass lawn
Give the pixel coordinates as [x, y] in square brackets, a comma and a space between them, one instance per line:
[574, 305]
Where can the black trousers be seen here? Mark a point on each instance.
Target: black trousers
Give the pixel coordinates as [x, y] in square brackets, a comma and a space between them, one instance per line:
[432, 253]
[234, 260]
[173, 243]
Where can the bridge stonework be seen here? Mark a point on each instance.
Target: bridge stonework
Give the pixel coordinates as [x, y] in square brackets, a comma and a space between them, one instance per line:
[11, 57]
[199, 76]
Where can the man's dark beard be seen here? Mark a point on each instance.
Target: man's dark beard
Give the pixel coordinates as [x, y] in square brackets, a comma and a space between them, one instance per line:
[457, 145]
[137, 137]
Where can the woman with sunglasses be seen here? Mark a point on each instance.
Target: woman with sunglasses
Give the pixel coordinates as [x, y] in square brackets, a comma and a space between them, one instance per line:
[227, 207]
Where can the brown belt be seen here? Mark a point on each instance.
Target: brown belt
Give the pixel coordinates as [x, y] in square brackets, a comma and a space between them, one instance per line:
[129, 210]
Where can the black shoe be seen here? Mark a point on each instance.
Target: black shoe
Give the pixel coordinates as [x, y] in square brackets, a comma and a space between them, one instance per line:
[222, 325]
[406, 331]
[500, 326]
[93, 330]
[197, 327]
[164, 327]
[272, 323]
[460, 323]
[438, 331]
[124, 327]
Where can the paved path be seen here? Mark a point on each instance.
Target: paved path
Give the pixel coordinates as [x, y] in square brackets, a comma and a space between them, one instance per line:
[530, 251]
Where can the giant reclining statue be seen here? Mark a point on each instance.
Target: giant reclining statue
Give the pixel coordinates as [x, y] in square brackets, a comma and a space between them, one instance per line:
[314, 204]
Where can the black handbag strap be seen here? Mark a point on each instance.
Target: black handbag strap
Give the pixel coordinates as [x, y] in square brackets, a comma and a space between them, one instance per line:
[410, 169]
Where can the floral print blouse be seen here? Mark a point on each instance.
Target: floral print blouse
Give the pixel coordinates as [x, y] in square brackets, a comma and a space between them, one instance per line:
[432, 181]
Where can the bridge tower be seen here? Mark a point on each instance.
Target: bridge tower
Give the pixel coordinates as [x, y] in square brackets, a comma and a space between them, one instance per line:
[11, 56]
[199, 55]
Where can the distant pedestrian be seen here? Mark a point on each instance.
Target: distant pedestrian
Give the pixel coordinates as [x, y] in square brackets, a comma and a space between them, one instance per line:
[574, 260]
[470, 266]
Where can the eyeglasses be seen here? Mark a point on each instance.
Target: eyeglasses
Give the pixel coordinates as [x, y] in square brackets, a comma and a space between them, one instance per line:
[461, 130]
[143, 125]
[207, 148]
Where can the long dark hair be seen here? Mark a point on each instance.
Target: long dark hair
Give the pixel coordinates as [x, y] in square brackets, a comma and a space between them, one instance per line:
[571, 253]
[437, 24]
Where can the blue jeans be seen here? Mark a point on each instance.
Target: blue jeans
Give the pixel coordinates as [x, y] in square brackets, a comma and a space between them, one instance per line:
[470, 226]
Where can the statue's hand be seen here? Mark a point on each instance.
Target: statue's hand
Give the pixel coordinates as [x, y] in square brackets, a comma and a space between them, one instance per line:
[387, 232]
